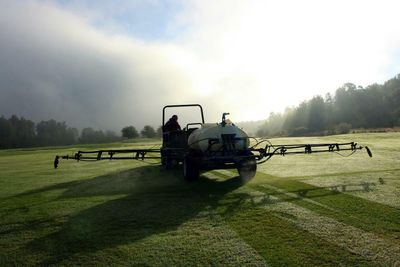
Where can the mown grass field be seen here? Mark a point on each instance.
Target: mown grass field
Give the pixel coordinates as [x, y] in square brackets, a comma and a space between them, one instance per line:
[308, 210]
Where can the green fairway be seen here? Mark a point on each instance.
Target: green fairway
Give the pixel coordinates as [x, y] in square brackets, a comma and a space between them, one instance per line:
[303, 210]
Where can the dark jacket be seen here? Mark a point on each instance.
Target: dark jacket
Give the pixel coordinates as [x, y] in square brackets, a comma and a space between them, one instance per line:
[171, 125]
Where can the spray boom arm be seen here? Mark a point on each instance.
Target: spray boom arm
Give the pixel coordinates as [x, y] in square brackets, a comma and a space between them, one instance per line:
[264, 154]
[260, 154]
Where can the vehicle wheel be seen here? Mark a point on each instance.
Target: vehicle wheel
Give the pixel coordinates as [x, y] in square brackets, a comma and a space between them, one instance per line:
[166, 160]
[164, 157]
[190, 169]
[168, 163]
[247, 167]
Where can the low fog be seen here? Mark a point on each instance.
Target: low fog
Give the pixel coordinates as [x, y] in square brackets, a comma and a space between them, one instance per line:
[230, 57]
[53, 65]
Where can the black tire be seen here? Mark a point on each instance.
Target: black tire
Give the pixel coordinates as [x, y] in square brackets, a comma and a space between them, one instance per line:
[164, 157]
[191, 171]
[168, 164]
[247, 167]
[166, 160]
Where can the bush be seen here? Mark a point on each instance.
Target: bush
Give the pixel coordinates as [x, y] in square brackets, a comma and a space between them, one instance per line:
[342, 128]
[129, 132]
[148, 132]
[299, 131]
[262, 133]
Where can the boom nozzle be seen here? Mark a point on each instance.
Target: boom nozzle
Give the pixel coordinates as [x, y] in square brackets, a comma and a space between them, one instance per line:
[369, 152]
[56, 161]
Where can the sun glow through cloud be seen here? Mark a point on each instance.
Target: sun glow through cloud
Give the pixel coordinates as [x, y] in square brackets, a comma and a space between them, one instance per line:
[282, 52]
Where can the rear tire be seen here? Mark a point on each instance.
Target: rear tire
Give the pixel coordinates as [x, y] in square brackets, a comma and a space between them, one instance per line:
[191, 171]
[247, 167]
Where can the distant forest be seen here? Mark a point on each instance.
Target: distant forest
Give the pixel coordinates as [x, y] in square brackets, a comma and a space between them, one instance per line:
[18, 132]
[351, 107]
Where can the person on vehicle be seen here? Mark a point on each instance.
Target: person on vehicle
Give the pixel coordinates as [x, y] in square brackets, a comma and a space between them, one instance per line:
[172, 124]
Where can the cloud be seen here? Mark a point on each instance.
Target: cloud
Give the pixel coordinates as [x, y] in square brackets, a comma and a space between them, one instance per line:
[54, 65]
[291, 50]
[244, 57]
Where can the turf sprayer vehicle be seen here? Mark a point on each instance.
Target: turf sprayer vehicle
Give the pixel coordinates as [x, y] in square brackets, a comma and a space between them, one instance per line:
[201, 146]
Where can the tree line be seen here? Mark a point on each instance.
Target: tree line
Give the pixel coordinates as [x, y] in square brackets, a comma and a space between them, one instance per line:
[351, 106]
[17, 132]
[148, 131]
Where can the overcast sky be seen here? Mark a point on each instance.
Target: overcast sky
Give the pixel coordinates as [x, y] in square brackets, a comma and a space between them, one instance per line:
[107, 64]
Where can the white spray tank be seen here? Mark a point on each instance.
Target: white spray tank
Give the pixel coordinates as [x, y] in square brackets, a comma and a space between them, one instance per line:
[199, 139]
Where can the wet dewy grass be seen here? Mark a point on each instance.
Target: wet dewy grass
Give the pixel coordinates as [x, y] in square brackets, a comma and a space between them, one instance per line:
[281, 243]
[136, 213]
[367, 215]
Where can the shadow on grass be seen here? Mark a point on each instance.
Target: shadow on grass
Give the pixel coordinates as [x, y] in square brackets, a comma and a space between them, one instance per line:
[151, 202]
[335, 202]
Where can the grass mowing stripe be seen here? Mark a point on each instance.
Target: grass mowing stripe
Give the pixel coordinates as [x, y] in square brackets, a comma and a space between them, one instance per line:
[361, 213]
[365, 244]
[383, 188]
[128, 213]
[280, 242]
[133, 209]
[295, 196]
[351, 238]
[283, 243]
